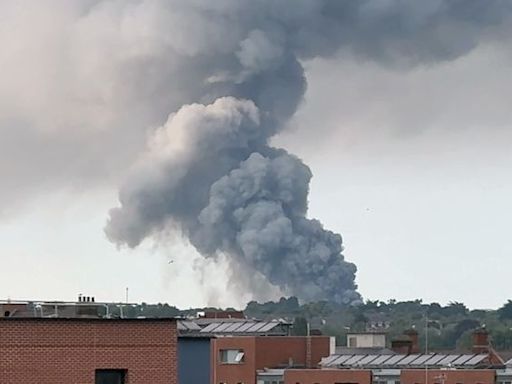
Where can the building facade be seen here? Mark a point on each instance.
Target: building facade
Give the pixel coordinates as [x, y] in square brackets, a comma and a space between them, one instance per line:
[327, 376]
[88, 351]
[238, 359]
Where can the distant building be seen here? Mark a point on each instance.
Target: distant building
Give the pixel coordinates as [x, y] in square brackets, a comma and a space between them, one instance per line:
[377, 322]
[404, 364]
[366, 340]
[85, 307]
[224, 315]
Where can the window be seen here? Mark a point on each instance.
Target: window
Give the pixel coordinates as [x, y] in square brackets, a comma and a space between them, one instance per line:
[110, 376]
[352, 342]
[231, 356]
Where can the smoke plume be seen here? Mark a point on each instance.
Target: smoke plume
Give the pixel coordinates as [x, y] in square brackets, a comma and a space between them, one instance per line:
[236, 77]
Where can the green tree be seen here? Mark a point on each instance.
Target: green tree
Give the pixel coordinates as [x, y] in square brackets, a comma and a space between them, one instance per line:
[505, 312]
[300, 326]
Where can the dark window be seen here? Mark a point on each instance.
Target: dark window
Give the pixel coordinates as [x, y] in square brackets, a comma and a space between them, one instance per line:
[7, 313]
[231, 356]
[110, 376]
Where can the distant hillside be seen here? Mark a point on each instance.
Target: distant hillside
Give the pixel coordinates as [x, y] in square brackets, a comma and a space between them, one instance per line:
[448, 326]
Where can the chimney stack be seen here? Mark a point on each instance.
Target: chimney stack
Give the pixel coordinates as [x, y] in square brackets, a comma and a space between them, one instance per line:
[480, 341]
[413, 336]
[402, 347]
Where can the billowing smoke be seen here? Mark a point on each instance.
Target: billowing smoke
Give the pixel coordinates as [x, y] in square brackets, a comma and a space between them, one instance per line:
[210, 172]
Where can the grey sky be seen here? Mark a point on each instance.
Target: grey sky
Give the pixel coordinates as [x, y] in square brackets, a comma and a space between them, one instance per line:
[410, 164]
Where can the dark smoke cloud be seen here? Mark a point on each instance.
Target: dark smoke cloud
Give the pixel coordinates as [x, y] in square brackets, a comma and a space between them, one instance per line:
[210, 171]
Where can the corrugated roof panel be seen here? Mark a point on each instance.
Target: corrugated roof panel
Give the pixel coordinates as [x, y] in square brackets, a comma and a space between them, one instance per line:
[244, 327]
[434, 359]
[381, 359]
[256, 327]
[210, 327]
[462, 359]
[353, 360]
[327, 360]
[448, 359]
[476, 360]
[269, 326]
[222, 327]
[421, 359]
[407, 360]
[367, 359]
[233, 326]
[190, 325]
[394, 359]
[340, 360]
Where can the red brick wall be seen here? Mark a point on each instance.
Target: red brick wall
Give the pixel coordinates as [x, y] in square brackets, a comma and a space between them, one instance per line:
[264, 352]
[276, 351]
[327, 376]
[244, 372]
[60, 351]
[466, 376]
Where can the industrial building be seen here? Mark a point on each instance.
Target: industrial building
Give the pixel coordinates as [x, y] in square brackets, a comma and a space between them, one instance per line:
[222, 348]
[82, 342]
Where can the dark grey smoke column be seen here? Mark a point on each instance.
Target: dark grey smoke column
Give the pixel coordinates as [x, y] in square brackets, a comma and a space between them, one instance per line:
[210, 171]
[229, 192]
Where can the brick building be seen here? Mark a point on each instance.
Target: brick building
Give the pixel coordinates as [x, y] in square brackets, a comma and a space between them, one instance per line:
[87, 351]
[237, 359]
[327, 376]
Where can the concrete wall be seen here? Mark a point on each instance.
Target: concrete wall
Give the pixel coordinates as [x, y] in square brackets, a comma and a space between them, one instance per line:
[194, 360]
[367, 340]
[68, 351]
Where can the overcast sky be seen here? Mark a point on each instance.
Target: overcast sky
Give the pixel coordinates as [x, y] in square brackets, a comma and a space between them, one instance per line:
[410, 163]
